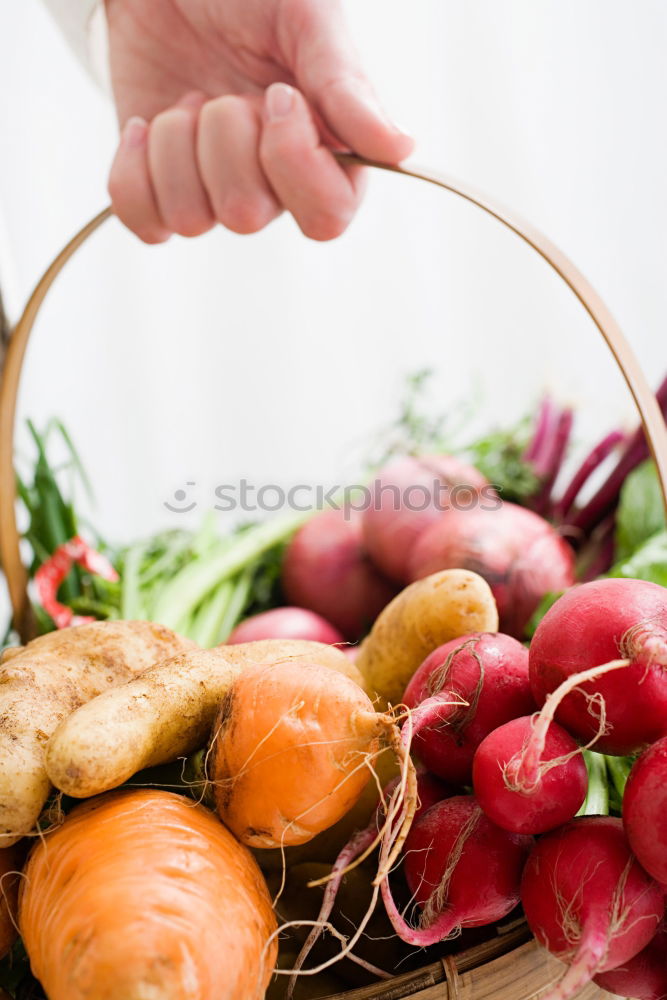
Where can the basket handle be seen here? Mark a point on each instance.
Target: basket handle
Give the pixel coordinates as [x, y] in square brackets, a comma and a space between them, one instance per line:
[649, 412]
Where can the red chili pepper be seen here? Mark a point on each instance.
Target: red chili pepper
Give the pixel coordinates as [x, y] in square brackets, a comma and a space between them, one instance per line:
[51, 574]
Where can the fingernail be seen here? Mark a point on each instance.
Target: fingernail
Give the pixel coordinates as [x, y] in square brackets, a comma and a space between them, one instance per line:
[134, 133]
[367, 97]
[399, 130]
[279, 101]
[377, 109]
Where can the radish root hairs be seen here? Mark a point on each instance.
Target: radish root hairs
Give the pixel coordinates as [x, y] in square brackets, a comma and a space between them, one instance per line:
[360, 845]
[436, 923]
[588, 901]
[325, 729]
[346, 950]
[358, 848]
[318, 926]
[437, 901]
[513, 771]
[321, 881]
[525, 771]
[403, 800]
[590, 948]
[406, 794]
[441, 675]
[19, 874]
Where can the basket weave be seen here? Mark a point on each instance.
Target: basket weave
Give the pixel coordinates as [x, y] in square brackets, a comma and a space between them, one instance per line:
[510, 965]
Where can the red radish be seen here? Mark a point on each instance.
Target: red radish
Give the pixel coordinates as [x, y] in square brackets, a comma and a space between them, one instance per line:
[462, 869]
[518, 553]
[327, 569]
[645, 810]
[588, 900]
[644, 977]
[407, 496]
[601, 653]
[285, 623]
[525, 802]
[489, 671]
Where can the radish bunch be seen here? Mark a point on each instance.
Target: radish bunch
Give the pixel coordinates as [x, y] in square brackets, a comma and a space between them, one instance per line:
[506, 728]
[593, 888]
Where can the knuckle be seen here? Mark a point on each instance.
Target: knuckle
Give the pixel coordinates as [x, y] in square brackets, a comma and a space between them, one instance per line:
[169, 118]
[245, 215]
[219, 108]
[276, 149]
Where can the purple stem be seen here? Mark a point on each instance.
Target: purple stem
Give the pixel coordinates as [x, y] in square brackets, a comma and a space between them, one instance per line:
[606, 498]
[544, 421]
[594, 459]
[604, 501]
[420, 937]
[603, 549]
[434, 711]
[552, 459]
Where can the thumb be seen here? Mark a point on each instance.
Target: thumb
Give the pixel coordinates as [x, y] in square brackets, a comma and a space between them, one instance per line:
[328, 69]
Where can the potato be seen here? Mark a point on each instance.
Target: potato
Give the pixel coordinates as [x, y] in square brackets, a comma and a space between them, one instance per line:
[166, 713]
[44, 682]
[422, 617]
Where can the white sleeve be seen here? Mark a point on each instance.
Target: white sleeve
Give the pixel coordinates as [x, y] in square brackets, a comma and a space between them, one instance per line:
[83, 22]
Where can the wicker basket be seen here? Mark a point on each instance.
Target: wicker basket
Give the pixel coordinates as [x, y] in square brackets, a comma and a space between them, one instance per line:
[509, 965]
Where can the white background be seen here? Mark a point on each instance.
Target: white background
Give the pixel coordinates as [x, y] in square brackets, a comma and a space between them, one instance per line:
[272, 357]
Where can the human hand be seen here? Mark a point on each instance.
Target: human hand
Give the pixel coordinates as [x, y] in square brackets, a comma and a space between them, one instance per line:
[229, 110]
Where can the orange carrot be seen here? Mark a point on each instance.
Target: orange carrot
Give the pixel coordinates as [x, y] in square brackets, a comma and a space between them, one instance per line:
[143, 894]
[292, 750]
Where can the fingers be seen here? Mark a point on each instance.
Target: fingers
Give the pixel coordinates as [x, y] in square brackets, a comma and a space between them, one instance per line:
[321, 195]
[182, 200]
[234, 160]
[331, 77]
[130, 185]
[228, 156]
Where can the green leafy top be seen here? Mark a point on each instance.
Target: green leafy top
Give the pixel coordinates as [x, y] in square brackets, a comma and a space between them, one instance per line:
[641, 512]
[499, 456]
[648, 562]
